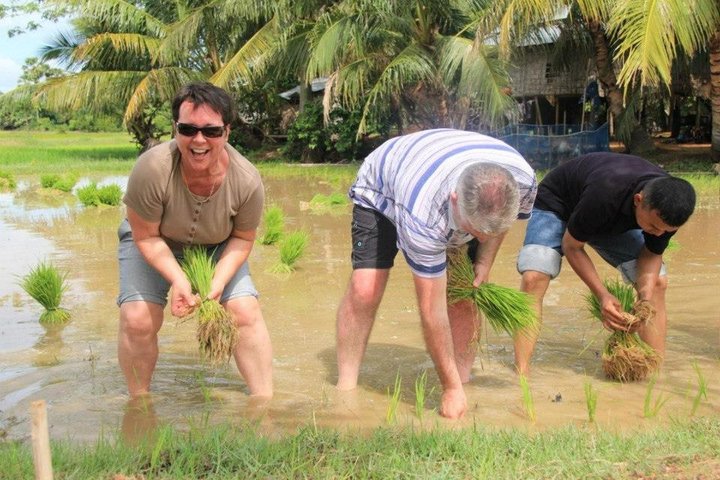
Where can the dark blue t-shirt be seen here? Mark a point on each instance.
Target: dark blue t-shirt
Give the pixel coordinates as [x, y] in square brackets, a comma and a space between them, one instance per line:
[594, 194]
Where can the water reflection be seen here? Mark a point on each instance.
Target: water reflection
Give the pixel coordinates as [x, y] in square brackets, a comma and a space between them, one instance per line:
[75, 367]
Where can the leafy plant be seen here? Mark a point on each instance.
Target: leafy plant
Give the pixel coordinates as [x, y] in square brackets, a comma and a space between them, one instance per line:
[274, 224]
[506, 309]
[7, 181]
[47, 285]
[216, 333]
[650, 408]
[292, 247]
[88, 195]
[395, 397]
[590, 400]
[701, 391]
[420, 394]
[527, 398]
[110, 194]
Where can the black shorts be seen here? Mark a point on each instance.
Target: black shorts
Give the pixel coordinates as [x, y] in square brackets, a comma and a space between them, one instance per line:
[374, 239]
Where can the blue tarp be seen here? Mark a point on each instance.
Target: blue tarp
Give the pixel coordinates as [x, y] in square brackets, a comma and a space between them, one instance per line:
[544, 146]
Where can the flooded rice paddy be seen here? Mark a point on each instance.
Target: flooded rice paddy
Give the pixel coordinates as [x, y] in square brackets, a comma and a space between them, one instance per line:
[74, 367]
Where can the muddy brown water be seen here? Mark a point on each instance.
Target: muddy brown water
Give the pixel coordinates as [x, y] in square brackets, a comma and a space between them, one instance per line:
[74, 368]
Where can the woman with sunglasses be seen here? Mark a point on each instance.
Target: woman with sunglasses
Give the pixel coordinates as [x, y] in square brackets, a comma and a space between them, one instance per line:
[193, 190]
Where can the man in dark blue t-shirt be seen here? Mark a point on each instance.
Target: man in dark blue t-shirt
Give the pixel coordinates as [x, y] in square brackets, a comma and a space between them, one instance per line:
[623, 206]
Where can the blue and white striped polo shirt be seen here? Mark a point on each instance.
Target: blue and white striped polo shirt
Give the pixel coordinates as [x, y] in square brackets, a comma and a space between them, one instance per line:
[409, 180]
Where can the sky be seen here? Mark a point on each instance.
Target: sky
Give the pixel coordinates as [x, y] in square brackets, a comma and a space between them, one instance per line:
[14, 51]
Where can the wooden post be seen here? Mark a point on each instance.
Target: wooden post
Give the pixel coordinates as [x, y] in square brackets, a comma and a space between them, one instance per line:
[40, 441]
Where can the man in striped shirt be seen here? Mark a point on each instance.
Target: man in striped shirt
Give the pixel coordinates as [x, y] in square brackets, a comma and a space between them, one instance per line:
[423, 193]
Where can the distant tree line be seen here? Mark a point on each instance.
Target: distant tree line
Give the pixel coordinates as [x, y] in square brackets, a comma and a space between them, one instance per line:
[388, 66]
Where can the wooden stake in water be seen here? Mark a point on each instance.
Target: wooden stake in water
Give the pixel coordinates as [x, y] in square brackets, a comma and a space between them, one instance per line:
[40, 441]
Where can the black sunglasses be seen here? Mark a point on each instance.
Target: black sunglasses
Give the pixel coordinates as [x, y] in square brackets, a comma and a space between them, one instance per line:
[188, 130]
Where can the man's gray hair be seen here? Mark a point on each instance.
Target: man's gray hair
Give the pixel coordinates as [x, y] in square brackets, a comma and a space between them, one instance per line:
[488, 197]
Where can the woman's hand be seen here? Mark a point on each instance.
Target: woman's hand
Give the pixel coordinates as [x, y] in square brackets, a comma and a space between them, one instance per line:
[182, 301]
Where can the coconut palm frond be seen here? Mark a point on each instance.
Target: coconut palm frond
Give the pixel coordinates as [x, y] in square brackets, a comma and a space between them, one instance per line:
[161, 83]
[409, 67]
[122, 44]
[61, 48]
[653, 33]
[125, 16]
[329, 45]
[241, 67]
[481, 75]
[91, 89]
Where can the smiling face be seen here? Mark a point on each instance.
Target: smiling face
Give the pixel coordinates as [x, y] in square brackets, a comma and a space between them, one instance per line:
[648, 219]
[200, 153]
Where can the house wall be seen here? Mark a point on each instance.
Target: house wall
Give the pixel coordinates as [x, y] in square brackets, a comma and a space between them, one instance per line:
[531, 75]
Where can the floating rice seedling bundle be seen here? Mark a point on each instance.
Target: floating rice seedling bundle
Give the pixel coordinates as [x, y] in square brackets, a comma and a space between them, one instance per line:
[626, 357]
[92, 196]
[291, 249]
[63, 183]
[274, 223]
[506, 309]
[216, 333]
[46, 285]
[7, 181]
[321, 203]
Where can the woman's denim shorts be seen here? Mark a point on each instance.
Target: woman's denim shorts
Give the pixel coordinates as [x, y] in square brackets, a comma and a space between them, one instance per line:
[141, 282]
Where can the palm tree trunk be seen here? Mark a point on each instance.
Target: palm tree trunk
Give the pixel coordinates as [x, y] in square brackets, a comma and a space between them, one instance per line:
[639, 141]
[715, 93]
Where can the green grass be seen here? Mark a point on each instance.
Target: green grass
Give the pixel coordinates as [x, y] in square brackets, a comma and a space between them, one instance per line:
[591, 397]
[230, 451]
[46, 284]
[292, 247]
[27, 152]
[652, 408]
[273, 225]
[701, 391]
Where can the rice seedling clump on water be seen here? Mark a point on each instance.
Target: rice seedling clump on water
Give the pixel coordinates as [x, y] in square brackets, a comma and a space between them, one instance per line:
[7, 181]
[274, 224]
[46, 285]
[626, 357]
[291, 249]
[506, 309]
[216, 333]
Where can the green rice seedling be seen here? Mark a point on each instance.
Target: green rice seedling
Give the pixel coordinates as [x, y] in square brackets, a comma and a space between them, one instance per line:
[626, 357]
[110, 194]
[7, 181]
[420, 394]
[49, 180]
[216, 333]
[47, 285]
[274, 224]
[395, 397]
[65, 183]
[506, 309]
[650, 408]
[702, 389]
[88, 195]
[292, 248]
[321, 203]
[527, 398]
[591, 401]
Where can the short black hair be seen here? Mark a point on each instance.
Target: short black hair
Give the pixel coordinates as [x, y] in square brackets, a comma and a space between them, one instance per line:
[204, 93]
[672, 197]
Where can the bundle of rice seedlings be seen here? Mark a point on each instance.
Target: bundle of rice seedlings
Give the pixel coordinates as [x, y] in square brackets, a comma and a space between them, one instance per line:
[7, 181]
[49, 180]
[216, 333]
[110, 194]
[506, 309]
[291, 249]
[626, 357]
[46, 285]
[321, 203]
[88, 195]
[274, 223]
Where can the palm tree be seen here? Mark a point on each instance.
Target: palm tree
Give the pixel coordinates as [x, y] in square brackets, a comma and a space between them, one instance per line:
[651, 35]
[410, 60]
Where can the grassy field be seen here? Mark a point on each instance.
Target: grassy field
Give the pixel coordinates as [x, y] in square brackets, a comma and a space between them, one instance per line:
[682, 451]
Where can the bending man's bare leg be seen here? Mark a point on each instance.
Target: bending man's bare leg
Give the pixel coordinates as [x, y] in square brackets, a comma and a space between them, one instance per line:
[536, 284]
[355, 319]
